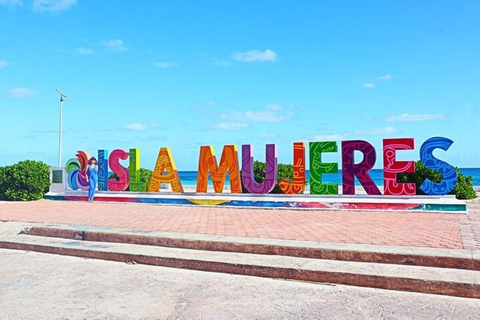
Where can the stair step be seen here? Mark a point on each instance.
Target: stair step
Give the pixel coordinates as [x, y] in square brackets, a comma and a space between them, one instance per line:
[454, 282]
[442, 258]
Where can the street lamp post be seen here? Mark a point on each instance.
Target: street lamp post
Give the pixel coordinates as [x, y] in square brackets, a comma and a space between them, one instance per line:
[63, 97]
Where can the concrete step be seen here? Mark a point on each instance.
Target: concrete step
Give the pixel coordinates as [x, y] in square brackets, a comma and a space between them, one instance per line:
[454, 282]
[442, 258]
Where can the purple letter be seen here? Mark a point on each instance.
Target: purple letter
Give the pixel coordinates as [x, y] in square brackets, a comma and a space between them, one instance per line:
[248, 178]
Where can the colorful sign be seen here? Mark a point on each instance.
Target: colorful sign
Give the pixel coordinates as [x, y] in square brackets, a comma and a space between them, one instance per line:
[165, 170]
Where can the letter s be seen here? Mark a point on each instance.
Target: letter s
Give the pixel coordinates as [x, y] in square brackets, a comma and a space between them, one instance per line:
[447, 171]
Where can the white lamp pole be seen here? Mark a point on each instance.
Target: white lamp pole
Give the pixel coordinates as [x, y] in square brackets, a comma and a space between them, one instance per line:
[63, 97]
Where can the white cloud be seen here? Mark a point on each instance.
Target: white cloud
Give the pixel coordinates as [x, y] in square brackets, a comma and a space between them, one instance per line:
[135, 127]
[378, 131]
[268, 135]
[274, 107]
[369, 85]
[3, 64]
[21, 93]
[255, 55]
[233, 126]
[219, 62]
[250, 116]
[84, 51]
[164, 65]
[115, 45]
[52, 5]
[354, 134]
[407, 117]
[385, 77]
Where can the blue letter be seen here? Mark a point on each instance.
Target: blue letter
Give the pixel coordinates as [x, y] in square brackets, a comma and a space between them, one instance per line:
[448, 172]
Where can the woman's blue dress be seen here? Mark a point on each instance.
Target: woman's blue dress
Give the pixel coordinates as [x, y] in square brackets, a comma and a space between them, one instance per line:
[92, 181]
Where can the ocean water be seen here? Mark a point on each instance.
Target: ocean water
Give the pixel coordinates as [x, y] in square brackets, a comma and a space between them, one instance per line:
[190, 177]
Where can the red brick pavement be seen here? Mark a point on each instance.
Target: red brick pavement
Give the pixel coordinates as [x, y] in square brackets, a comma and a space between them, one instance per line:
[418, 229]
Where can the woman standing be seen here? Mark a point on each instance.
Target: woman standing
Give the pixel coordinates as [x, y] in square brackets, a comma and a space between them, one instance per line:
[92, 177]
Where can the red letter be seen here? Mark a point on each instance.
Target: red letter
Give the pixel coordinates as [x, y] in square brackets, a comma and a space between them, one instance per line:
[122, 172]
[391, 167]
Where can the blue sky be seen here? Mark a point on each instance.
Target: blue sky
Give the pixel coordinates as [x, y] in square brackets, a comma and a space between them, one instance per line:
[183, 74]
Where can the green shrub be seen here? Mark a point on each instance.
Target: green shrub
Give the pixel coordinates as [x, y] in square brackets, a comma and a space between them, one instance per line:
[24, 181]
[463, 189]
[145, 176]
[284, 171]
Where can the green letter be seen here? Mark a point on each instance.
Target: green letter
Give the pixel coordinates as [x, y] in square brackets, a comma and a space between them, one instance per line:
[317, 168]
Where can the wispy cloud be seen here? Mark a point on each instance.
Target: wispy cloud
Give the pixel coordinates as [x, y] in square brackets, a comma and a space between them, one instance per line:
[232, 126]
[84, 51]
[268, 135]
[52, 6]
[164, 65]
[21, 93]
[407, 117]
[251, 116]
[115, 45]
[385, 77]
[219, 62]
[255, 56]
[3, 63]
[369, 85]
[274, 107]
[137, 126]
[258, 116]
[354, 134]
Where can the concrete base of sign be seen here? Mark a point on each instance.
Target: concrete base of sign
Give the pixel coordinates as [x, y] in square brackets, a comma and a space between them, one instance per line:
[277, 201]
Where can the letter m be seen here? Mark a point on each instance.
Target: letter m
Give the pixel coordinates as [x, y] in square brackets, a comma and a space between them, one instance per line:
[228, 163]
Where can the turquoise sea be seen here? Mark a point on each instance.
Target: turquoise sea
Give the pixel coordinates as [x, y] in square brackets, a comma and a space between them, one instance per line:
[190, 177]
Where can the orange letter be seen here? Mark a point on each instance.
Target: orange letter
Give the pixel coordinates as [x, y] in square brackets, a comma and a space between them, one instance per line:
[228, 162]
[298, 184]
[165, 162]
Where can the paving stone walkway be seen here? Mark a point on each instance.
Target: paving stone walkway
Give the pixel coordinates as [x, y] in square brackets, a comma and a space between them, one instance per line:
[416, 229]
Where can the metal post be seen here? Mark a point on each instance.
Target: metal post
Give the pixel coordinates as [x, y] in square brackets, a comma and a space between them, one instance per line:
[63, 97]
[60, 134]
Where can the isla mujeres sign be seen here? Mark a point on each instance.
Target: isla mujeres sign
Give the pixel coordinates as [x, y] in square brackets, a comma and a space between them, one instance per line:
[165, 170]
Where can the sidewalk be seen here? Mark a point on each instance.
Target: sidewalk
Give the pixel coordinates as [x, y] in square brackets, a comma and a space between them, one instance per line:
[418, 229]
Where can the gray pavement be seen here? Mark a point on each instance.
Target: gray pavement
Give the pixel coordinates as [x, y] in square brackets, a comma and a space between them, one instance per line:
[43, 286]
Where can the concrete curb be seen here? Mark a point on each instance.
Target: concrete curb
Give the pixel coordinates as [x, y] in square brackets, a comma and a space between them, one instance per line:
[374, 275]
[441, 258]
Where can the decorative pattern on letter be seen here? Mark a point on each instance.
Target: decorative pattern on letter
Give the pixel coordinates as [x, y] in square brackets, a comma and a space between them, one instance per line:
[317, 168]
[448, 172]
[121, 171]
[134, 169]
[298, 184]
[207, 162]
[103, 170]
[248, 178]
[391, 167]
[77, 171]
[165, 163]
[350, 170]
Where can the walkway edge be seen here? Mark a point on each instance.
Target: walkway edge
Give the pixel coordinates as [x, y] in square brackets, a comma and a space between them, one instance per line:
[429, 257]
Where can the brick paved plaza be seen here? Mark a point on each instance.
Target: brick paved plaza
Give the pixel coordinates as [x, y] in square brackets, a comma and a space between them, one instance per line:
[418, 229]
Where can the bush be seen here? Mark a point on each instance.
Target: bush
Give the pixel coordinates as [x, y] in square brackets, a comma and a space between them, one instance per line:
[145, 176]
[24, 181]
[284, 171]
[463, 189]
